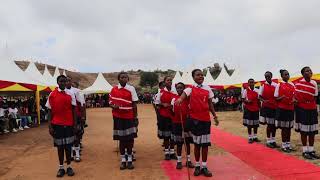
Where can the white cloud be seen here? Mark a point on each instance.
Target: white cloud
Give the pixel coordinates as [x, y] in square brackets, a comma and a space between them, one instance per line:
[101, 35]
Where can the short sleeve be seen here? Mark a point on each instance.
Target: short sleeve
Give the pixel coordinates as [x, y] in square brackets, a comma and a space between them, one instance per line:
[316, 86]
[261, 90]
[48, 105]
[73, 100]
[211, 94]
[157, 98]
[276, 91]
[188, 91]
[244, 94]
[134, 94]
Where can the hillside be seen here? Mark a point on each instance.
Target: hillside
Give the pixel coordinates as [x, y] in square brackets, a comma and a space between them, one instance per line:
[86, 79]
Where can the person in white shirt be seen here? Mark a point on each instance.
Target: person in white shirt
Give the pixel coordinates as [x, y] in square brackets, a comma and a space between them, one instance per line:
[13, 115]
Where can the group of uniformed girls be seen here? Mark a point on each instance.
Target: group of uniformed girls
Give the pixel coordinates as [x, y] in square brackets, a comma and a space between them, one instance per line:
[184, 118]
[283, 105]
[66, 122]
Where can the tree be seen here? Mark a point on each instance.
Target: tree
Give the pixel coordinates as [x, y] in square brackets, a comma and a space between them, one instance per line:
[149, 79]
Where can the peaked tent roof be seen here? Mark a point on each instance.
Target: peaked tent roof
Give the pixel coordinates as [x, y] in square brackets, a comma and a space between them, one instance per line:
[48, 77]
[100, 85]
[223, 78]
[56, 74]
[33, 73]
[208, 79]
[187, 77]
[64, 73]
[177, 78]
[9, 71]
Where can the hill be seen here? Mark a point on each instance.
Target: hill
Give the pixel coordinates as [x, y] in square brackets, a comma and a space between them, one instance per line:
[86, 79]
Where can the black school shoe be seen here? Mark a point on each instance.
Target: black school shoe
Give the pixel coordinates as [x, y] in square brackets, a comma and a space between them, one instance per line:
[256, 140]
[270, 145]
[173, 156]
[167, 157]
[314, 155]
[70, 171]
[130, 165]
[250, 141]
[275, 145]
[205, 171]
[307, 155]
[61, 173]
[189, 164]
[286, 150]
[197, 171]
[179, 165]
[123, 166]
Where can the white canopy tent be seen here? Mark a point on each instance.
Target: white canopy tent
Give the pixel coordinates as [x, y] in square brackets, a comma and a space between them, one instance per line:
[177, 78]
[100, 85]
[9, 71]
[208, 79]
[223, 78]
[33, 73]
[48, 77]
[56, 74]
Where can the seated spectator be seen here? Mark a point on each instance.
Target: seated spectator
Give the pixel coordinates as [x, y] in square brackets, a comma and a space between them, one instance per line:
[4, 120]
[13, 115]
[24, 117]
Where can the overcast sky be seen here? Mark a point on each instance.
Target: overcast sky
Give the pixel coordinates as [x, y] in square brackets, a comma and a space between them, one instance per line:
[102, 35]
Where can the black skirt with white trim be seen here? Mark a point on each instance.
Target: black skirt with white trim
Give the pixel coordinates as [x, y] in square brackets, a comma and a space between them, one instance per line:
[250, 118]
[267, 116]
[124, 129]
[284, 118]
[176, 135]
[164, 127]
[201, 132]
[63, 136]
[306, 121]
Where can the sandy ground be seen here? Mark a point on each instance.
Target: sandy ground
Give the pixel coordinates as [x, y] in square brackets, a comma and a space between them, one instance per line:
[30, 155]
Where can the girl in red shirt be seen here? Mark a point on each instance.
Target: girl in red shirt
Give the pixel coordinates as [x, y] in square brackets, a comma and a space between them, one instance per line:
[62, 123]
[163, 101]
[179, 124]
[284, 94]
[200, 105]
[251, 111]
[123, 101]
[306, 112]
[268, 109]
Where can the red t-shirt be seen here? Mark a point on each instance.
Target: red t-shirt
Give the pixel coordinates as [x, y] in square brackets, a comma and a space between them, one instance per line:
[61, 108]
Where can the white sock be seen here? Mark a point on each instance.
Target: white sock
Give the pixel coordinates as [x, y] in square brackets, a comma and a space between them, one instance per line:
[72, 150]
[189, 157]
[255, 136]
[77, 149]
[166, 151]
[69, 166]
[288, 144]
[284, 145]
[250, 136]
[204, 164]
[61, 167]
[273, 139]
[123, 158]
[179, 158]
[129, 158]
[305, 149]
[171, 151]
[310, 149]
[197, 164]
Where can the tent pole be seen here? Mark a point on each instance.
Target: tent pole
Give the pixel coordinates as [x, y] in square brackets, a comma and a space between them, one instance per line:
[38, 105]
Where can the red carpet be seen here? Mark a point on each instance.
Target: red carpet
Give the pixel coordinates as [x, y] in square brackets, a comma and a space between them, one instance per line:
[267, 161]
[225, 167]
[248, 161]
